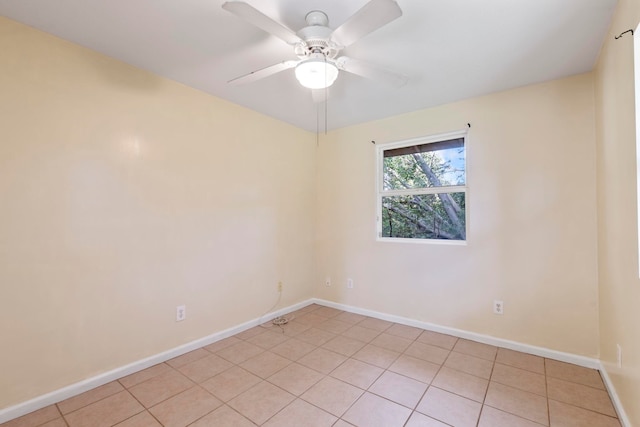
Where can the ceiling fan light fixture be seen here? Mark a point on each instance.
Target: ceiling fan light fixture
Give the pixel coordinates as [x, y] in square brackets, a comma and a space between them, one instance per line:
[316, 73]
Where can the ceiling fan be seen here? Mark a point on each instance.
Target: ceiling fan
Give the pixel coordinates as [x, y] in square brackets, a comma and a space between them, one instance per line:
[317, 46]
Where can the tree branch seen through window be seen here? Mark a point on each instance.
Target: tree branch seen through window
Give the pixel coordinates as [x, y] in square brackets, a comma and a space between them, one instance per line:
[423, 191]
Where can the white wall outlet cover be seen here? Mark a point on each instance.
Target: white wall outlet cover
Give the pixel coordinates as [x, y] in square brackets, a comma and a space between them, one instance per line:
[181, 313]
[498, 307]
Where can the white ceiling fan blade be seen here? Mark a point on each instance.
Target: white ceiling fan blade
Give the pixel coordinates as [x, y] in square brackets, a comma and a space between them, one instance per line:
[319, 95]
[263, 72]
[260, 20]
[370, 71]
[370, 17]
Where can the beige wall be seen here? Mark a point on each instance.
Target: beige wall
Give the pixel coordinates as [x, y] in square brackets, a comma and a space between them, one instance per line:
[617, 213]
[532, 220]
[124, 195]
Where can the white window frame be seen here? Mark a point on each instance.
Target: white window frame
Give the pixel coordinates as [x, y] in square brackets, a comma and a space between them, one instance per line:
[381, 192]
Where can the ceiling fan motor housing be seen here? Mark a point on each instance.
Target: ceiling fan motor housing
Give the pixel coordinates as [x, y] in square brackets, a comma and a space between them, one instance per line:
[316, 37]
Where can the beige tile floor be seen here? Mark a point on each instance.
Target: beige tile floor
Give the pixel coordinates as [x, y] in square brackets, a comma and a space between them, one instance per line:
[332, 368]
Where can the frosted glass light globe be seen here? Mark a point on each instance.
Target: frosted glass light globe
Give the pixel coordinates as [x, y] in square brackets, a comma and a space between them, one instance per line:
[316, 73]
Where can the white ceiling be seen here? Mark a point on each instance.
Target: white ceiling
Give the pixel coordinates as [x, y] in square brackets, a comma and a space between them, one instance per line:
[449, 49]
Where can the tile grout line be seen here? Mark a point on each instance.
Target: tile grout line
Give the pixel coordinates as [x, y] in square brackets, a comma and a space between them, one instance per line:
[546, 389]
[57, 404]
[486, 393]
[414, 409]
[430, 383]
[366, 391]
[144, 409]
[208, 413]
[62, 417]
[584, 409]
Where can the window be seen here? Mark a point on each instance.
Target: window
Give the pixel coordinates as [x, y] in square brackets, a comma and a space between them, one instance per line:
[422, 189]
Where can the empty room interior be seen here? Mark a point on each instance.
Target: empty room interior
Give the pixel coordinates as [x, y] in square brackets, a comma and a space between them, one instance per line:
[191, 233]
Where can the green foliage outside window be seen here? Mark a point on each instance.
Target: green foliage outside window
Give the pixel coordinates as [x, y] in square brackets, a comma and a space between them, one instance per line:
[415, 200]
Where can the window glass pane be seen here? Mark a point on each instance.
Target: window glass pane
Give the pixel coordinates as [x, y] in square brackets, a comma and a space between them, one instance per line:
[437, 164]
[424, 216]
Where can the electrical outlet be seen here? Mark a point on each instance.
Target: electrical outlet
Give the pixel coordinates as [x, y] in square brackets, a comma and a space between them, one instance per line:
[327, 281]
[498, 307]
[181, 313]
[279, 286]
[349, 283]
[619, 355]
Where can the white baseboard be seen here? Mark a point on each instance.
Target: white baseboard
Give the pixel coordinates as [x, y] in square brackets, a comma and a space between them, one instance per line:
[59, 395]
[90, 383]
[587, 362]
[622, 415]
